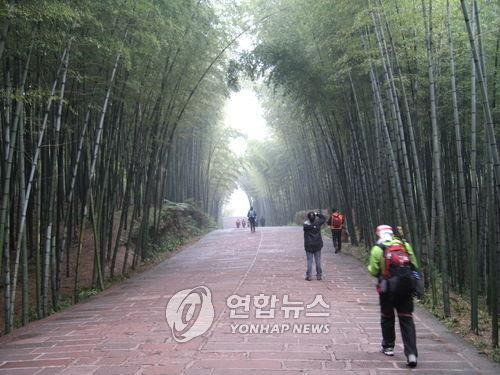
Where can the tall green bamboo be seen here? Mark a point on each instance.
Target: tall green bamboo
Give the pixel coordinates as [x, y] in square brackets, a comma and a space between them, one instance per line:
[436, 146]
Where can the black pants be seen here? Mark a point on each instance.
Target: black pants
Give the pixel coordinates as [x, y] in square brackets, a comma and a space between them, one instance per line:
[404, 307]
[337, 239]
[252, 224]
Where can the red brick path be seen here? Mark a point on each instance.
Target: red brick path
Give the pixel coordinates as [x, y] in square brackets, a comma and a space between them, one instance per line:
[123, 330]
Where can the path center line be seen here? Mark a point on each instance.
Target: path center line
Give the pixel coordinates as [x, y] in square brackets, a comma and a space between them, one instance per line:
[219, 317]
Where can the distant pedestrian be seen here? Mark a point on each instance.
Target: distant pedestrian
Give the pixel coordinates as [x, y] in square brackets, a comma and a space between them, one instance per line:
[336, 222]
[313, 243]
[243, 223]
[252, 218]
[238, 223]
[262, 221]
[393, 262]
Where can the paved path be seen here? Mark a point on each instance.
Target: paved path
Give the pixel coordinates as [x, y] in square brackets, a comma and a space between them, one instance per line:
[123, 330]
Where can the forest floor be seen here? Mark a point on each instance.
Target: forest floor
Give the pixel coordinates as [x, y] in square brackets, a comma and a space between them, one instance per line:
[123, 330]
[87, 286]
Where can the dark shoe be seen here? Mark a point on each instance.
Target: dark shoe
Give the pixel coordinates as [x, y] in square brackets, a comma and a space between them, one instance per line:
[387, 351]
[412, 361]
[308, 278]
[319, 277]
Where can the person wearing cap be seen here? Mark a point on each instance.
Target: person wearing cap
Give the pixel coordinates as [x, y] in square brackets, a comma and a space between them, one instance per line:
[389, 301]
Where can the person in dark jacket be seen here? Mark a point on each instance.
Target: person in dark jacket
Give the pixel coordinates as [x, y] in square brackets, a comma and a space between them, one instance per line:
[252, 219]
[313, 243]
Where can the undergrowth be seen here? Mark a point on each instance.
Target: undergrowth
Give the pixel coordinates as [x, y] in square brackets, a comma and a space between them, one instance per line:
[179, 223]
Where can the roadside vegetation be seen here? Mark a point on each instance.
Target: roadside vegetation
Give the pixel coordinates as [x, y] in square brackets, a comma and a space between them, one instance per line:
[388, 110]
[107, 108]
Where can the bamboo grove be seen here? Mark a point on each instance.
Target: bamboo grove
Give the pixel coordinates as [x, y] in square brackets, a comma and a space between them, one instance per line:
[389, 111]
[108, 108]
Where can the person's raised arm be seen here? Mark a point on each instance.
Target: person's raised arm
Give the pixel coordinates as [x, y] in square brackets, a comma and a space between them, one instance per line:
[321, 220]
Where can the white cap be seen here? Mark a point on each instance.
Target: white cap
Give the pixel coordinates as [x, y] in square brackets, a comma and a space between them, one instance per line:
[384, 231]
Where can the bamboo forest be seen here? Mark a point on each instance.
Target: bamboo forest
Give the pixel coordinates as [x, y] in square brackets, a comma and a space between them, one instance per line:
[115, 148]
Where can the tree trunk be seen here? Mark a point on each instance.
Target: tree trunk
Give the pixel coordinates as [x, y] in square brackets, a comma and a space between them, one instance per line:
[436, 150]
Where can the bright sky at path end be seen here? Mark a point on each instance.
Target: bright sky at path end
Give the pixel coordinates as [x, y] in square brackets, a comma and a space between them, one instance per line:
[243, 113]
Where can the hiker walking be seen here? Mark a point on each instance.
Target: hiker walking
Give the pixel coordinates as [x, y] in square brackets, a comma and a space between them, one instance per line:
[252, 218]
[238, 223]
[313, 243]
[336, 223]
[243, 223]
[393, 262]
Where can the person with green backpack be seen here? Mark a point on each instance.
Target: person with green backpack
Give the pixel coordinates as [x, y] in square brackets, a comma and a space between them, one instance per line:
[394, 263]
